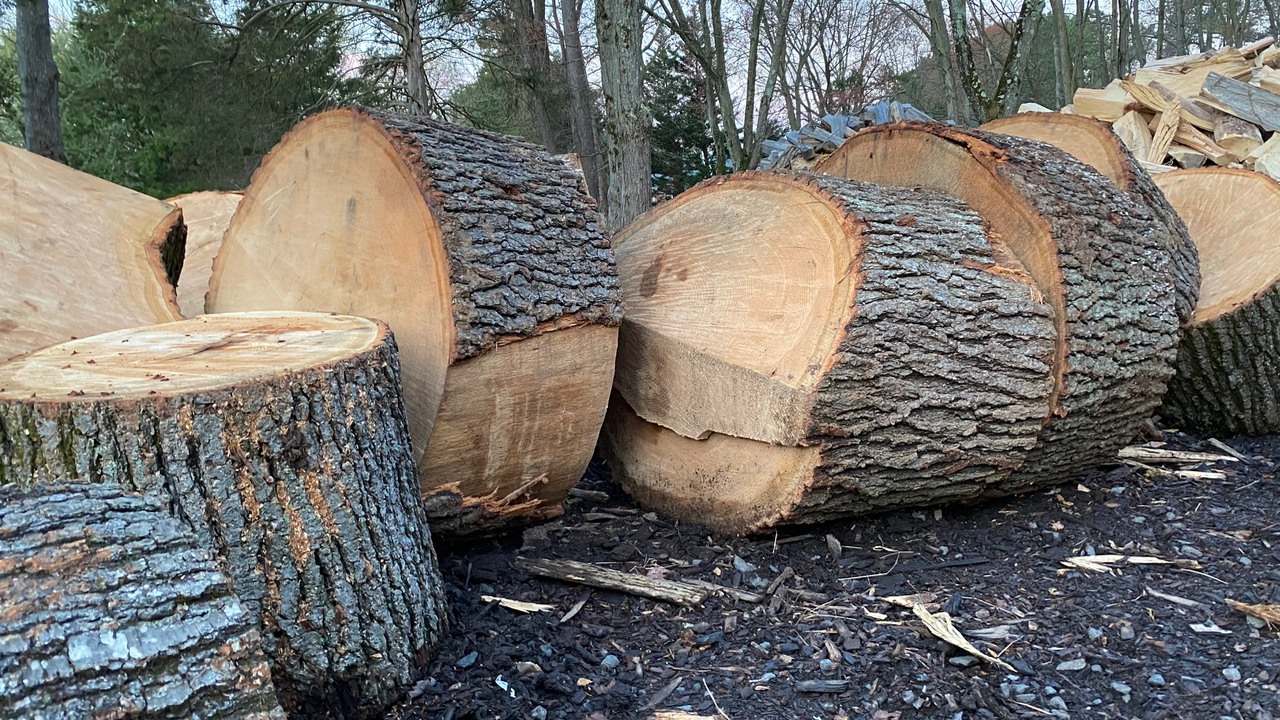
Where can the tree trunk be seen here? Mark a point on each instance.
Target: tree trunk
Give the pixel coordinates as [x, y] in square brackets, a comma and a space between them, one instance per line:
[207, 215]
[1273, 17]
[487, 257]
[111, 609]
[38, 79]
[938, 41]
[1093, 143]
[1005, 101]
[968, 72]
[531, 38]
[80, 255]
[1101, 261]
[301, 481]
[1226, 382]
[1062, 54]
[846, 420]
[627, 124]
[580, 116]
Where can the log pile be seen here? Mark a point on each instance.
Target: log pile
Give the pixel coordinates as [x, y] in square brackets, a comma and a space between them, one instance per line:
[79, 255]
[280, 441]
[799, 348]
[1218, 108]
[487, 258]
[801, 149]
[110, 608]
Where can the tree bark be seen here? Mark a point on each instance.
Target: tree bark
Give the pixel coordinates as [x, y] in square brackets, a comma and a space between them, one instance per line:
[1101, 260]
[38, 78]
[302, 482]
[627, 123]
[580, 116]
[111, 609]
[934, 391]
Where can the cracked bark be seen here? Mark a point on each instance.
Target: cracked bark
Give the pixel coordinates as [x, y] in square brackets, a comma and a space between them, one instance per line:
[110, 608]
[301, 482]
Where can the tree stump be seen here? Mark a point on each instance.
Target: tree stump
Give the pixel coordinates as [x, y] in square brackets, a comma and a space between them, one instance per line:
[207, 215]
[1228, 380]
[109, 608]
[1095, 144]
[280, 439]
[804, 347]
[80, 256]
[1100, 259]
[488, 259]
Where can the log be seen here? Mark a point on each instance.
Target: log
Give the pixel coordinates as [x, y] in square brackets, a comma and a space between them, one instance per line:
[1237, 136]
[1186, 82]
[1189, 136]
[1094, 144]
[1108, 104]
[1131, 129]
[1100, 258]
[110, 608]
[488, 259]
[280, 440]
[207, 215]
[1243, 100]
[1162, 137]
[80, 255]
[805, 347]
[1186, 157]
[1226, 382]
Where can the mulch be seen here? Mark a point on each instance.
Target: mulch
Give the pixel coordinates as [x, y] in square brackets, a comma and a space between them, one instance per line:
[825, 644]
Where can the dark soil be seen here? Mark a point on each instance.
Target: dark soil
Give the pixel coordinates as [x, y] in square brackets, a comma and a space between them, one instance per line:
[1083, 644]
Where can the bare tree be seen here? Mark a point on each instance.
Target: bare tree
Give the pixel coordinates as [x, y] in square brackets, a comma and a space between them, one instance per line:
[1064, 72]
[529, 18]
[38, 78]
[580, 116]
[620, 34]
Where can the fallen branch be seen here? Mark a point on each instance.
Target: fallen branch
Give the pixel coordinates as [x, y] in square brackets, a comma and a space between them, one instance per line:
[679, 593]
[1138, 452]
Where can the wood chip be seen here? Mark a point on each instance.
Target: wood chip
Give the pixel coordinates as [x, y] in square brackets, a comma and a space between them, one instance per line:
[518, 605]
[1161, 455]
[573, 611]
[940, 625]
[1105, 563]
[927, 599]
[678, 593]
[1270, 614]
[1187, 602]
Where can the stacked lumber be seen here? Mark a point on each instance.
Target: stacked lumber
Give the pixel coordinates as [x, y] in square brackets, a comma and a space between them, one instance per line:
[280, 441]
[488, 259]
[1218, 108]
[1228, 379]
[80, 256]
[110, 609]
[207, 215]
[801, 347]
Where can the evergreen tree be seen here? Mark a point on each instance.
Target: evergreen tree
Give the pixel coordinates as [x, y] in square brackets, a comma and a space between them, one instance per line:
[682, 150]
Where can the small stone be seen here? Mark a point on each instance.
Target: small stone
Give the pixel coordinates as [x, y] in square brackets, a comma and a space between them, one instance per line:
[1126, 632]
[610, 661]
[538, 713]
[1022, 667]
[908, 696]
[1057, 702]
[1095, 633]
[826, 666]
[1190, 552]
[528, 668]
[468, 660]
[1121, 688]
[1077, 664]
[1231, 674]
[1025, 697]
[742, 566]
[1255, 621]
[1156, 679]
[1245, 561]
[1095, 668]
[963, 661]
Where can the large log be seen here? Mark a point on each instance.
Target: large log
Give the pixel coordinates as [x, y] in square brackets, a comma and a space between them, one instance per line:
[1100, 258]
[819, 347]
[79, 255]
[488, 259]
[207, 215]
[281, 441]
[1228, 379]
[110, 609]
[1095, 144]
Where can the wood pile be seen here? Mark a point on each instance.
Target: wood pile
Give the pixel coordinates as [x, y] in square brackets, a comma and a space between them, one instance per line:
[799, 348]
[801, 149]
[280, 441]
[487, 258]
[1218, 108]
[80, 255]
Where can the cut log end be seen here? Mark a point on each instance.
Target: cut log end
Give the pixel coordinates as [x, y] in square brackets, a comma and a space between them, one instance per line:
[211, 352]
[1226, 383]
[206, 215]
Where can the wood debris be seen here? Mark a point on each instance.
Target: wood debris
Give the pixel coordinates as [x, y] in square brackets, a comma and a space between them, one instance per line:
[1162, 455]
[679, 593]
[940, 625]
[1107, 563]
[1270, 614]
[519, 606]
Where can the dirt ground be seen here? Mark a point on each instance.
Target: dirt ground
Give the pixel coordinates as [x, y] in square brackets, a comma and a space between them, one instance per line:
[1141, 641]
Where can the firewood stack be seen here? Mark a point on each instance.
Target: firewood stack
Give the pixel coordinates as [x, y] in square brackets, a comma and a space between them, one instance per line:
[1217, 108]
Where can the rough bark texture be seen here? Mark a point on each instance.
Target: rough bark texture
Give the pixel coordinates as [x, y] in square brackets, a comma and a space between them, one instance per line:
[944, 374]
[1118, 323]
[627, 125]
[1228, 380]
[525, 247]
[38, 77]
[305, 486]
[1121, 322]
[110, 609]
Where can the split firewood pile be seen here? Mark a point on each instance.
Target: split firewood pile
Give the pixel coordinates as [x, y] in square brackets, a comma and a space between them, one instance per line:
[1218, 108]
[935, 314]
[801, 149]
